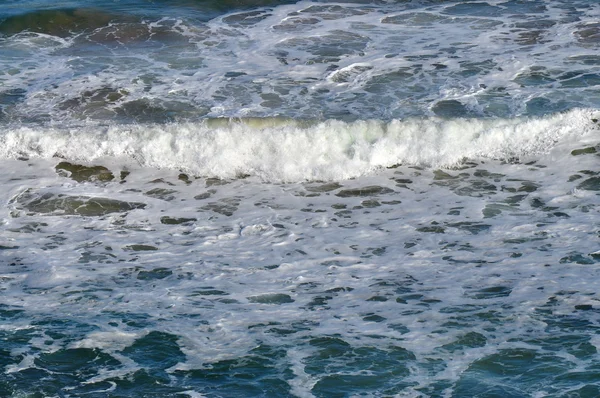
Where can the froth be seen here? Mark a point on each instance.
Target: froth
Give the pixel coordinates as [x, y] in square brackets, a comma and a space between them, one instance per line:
[301, 60]
[287, 150]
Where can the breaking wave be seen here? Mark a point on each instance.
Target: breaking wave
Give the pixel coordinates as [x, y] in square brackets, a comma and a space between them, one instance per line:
[286, 150]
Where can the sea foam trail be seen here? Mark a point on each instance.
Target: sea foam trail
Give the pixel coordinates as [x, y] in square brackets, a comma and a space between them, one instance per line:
[279, 150]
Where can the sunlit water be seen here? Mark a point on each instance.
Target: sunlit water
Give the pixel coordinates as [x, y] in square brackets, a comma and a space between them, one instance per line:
[304, 199]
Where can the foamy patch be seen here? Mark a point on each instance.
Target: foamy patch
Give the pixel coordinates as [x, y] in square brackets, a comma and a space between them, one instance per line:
[418, 264]
[286, 150]
[116, 340]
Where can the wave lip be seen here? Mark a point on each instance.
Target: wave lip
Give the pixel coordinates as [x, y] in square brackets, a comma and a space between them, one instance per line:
[287, 150]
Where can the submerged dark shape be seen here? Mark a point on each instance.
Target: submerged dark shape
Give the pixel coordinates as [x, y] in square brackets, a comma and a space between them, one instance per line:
[61, 23]
[54, 204]
[81, 173]
[233, 4]
[591, 184]
[364, 191]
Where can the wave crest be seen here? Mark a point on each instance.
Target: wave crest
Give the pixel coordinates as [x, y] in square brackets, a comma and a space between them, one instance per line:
[279, 150]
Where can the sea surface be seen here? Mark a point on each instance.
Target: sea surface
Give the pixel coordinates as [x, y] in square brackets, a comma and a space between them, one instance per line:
[263, 198]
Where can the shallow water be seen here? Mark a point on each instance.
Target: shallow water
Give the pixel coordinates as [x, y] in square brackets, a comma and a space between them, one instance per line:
[309, 199]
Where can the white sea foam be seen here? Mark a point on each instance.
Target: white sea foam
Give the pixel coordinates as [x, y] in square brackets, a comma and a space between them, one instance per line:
[416, 264]
[108, 341]
[323, 253]
[331, 150]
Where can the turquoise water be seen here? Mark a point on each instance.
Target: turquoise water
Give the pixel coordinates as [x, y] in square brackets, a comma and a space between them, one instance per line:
[306, 199]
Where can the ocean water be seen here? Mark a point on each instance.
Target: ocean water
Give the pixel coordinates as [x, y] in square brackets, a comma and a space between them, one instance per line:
[262, 198]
